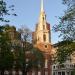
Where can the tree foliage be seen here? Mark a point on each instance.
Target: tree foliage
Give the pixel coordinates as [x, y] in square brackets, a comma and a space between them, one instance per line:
[67, 22]
[29, 57]
[4, 11]
[38, 58]
[6, 56]
[66, 27]
[65, 50]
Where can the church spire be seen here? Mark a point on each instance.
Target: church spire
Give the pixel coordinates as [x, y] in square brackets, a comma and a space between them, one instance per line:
[42, 34]
[42, 5]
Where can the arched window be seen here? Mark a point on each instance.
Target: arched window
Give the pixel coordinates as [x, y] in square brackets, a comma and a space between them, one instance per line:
[38, 38]
[43, 26]
[44, 37]
[43, 18]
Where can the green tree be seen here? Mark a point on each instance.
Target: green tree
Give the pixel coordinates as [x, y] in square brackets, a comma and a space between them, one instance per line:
[38, 59]
[67, 22]
[32, 58]
[35, 57]
[66, 27]
[6, 56]
[64, 51]
[4, 11]
[25, 34]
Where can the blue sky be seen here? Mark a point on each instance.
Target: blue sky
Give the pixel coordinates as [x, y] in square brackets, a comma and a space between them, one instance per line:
[28, 13]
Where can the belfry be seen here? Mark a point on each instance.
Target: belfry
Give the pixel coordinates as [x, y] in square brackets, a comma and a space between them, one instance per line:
[41, 39]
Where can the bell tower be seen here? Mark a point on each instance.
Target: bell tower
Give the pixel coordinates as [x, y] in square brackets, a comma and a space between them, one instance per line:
[42, 34]
[42, 27]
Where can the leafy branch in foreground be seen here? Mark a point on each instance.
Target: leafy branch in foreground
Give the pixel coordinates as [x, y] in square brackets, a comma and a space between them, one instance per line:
[4, 10]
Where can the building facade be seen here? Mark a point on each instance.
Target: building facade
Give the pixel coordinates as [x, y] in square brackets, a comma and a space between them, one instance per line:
[66, 68]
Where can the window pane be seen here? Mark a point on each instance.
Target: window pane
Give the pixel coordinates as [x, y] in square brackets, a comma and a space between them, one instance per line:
[63, 73]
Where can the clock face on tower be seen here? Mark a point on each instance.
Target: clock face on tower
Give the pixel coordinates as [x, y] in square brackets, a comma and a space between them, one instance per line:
[46, 46]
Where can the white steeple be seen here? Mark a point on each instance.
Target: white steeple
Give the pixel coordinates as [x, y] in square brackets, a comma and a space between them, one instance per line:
[42, 6]
[42, 28]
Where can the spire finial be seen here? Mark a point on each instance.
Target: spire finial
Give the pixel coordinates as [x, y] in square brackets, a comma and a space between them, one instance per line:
[42, 3]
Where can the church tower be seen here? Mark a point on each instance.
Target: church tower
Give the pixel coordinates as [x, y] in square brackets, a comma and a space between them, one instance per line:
[42, 28]
[42, 35]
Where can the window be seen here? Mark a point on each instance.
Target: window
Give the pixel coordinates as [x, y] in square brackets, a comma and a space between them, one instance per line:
[63, 73]
[39, 73]
[44, 37]
[38, 38]
[46, 63]
[74, 65]
[53, 67]
[27, 60]
[43, 18]
[43, 26]
[59, 73]
[46, 73]
[68, 73]
[72, 73]
[53, 73]
[33, 72]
